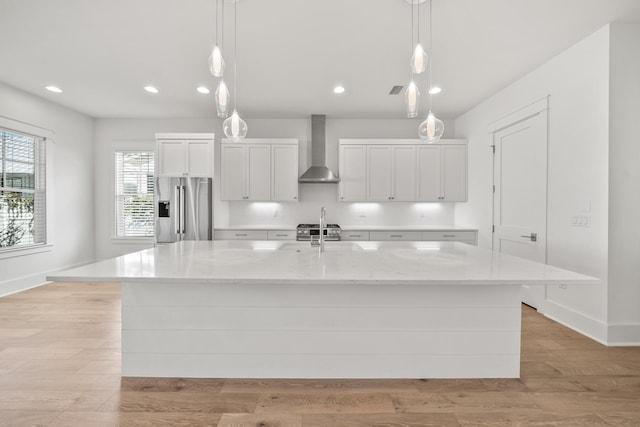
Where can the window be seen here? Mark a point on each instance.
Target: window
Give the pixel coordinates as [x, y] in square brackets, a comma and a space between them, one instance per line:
[22, 190]
[134, 193]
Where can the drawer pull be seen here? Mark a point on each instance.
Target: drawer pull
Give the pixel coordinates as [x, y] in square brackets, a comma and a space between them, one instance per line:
[281, 235]
[241, 234]
[448, 235]
[395, 235]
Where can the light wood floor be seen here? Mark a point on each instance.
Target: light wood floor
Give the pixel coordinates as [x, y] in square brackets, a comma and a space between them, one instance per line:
[60, 365]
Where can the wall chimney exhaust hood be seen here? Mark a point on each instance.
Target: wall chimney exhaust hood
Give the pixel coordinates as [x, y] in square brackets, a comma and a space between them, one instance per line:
[318, 172]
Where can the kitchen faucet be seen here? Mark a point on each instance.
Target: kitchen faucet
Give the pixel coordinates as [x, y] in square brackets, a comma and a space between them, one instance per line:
[323, 226]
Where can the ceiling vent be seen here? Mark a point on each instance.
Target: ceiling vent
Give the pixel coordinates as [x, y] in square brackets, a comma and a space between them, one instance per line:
[395, 90]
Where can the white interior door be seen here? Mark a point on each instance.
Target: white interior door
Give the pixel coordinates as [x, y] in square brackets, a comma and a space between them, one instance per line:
[520, 193]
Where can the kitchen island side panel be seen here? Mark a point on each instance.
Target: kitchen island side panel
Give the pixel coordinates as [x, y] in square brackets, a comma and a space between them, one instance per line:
[173, 329]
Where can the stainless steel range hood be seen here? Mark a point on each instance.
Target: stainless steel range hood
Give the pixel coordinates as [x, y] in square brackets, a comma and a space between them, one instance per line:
[318, 172]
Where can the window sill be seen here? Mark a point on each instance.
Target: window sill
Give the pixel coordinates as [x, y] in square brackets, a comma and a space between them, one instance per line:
[133, 240]
[31, 250]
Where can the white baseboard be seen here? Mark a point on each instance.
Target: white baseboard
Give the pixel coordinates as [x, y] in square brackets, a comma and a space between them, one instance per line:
[32, 281]
[622, 334]
[22, 284]
[579, 322]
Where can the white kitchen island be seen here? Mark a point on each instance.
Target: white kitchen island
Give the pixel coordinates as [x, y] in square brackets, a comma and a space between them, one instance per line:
[274, 309]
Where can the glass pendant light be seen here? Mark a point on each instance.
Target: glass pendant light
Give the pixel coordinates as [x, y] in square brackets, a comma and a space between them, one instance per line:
[432, 128]
[222, 100]
[419, 59]
[411, 97]
[216, 62]
[234, 127]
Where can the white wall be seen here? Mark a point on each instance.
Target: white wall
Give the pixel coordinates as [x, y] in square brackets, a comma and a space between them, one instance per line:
[70, 219]
[577, 83]
[624, 185]
[140, 133]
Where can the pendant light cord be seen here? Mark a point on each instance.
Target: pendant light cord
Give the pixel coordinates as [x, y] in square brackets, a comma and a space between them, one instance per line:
[235, 54]
[412, 29]
[430, 51]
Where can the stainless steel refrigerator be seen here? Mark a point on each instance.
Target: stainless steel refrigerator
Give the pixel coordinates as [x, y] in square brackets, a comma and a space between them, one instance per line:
[183, 209]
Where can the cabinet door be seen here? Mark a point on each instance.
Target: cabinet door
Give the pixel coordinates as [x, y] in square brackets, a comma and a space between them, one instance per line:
[380, 167]
[429, 173]
[353, 173]
[233, 172]
[172, 158]
[284, 167]
[454, 174]
[199, 158]
[259, 168]
[404, 173]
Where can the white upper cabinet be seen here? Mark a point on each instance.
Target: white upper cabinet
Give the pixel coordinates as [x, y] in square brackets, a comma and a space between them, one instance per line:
[234, 172]
[352, 169]
[284, 166]
[184, 154]
[442, 173]
[403, 170]
[391, 172]
[260, 170]
[454, 174]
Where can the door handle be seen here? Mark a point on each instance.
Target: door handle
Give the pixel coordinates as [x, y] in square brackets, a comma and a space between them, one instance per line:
[533, 237]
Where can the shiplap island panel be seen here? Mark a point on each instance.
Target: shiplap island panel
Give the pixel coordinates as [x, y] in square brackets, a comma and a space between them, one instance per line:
[280, 309]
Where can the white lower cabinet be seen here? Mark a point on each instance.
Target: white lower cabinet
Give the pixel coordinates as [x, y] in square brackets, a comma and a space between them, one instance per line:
[254, 234]
[464, 236]
[240, 235]
[395, 235]
[281, 235]
[355, 235]
[470, 237]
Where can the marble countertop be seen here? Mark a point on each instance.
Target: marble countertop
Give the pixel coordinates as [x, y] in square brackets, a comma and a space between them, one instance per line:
[366, 263]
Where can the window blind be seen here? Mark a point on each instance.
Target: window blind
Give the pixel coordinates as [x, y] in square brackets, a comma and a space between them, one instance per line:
[134, 193]
[22, 190]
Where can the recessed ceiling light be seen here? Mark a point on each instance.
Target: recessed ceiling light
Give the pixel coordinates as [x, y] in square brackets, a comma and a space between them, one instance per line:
[151, 89]
[54, 89]
[435, 90]
[203, 89]
[338, 89]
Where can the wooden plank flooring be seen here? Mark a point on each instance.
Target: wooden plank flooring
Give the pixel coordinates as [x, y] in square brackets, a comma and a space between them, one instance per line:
[60, 366]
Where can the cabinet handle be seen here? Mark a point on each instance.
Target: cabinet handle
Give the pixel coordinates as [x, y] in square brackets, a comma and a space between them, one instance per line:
[355, 235]
[281, 235]
[395, 235]
[448, 235]
[241, 234]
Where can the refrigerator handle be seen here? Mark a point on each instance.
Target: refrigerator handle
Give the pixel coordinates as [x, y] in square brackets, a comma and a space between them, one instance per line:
[178, 211]
[183, 207]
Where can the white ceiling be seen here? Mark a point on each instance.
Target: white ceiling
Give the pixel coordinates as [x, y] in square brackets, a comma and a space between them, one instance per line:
[291, 52]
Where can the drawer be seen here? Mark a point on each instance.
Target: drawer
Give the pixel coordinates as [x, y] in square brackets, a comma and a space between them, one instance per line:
[452, 236]
[355, 235]
[282, 235]
[395, 235]
[240, 235]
